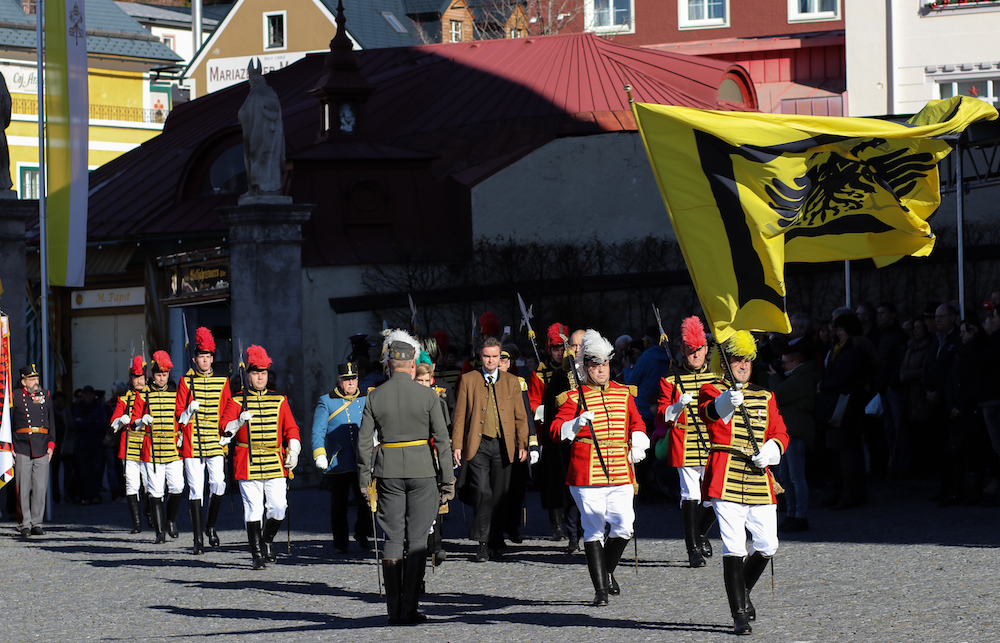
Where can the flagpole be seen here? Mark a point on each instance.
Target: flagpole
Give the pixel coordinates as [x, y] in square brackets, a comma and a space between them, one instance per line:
[847, 283]
[961, 239]
[43, 234]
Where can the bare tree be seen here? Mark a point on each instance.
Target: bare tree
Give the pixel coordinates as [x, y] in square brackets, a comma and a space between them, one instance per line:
[549, 17]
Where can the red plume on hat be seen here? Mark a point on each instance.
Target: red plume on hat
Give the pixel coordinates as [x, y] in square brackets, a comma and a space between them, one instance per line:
[257, 358]
[161, 362]
[442, 340]
[489, 324]
[138, 366]
[557, 334]
[203, 340]
[693, 333]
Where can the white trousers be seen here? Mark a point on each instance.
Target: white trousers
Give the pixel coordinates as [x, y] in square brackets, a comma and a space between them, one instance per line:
[194, 469]
[169, 475]
[605, 506]
[690, 478]
[134, 477]
[259, 495]
[736, 519]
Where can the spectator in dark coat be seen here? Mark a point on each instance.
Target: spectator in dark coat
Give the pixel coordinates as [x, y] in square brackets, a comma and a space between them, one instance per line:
[795, 393]
[915, 428]
[847, 374]
[890, 351]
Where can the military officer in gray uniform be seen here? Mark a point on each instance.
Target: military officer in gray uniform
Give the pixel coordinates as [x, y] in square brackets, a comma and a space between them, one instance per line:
[407, 421]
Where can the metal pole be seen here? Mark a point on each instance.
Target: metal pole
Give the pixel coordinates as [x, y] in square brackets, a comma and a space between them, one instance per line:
[43, 235]
[847, 283]
[196, 28]
[961, 240]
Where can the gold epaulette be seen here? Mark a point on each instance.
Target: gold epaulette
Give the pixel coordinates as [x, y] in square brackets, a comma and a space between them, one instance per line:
[633, 390]
[561, 398]
[370, 389]
[524, 385]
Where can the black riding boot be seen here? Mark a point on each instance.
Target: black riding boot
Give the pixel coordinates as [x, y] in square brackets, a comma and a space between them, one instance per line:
[598, 571]
[199, 539]
[147, 507]
[705, 522]
[413, 587]
[613, 549]
[173, 506]
[254, 538]
[752, 569]
[214, 504]
[689, 522]
[133, 510]
[736, 591]
[156, 509]
[271, 528]
[392, 571]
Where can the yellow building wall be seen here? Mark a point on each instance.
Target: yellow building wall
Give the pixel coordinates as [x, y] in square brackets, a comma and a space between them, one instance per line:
[116, 124]
[307, 28]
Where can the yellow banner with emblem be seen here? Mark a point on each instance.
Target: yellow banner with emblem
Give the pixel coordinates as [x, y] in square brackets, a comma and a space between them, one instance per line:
[747, 192]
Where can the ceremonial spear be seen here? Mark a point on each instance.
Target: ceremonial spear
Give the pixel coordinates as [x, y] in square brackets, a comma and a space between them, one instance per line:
[525, 321]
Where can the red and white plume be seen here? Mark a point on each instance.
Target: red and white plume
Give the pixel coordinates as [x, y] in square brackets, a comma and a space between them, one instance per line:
[693, 333]
[138, 366]
[257, 358]
[203, 340]
[489, 324]
[557, 334]
[161, 362]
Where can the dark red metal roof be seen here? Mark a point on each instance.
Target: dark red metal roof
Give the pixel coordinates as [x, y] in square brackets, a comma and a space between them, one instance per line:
[473, 107]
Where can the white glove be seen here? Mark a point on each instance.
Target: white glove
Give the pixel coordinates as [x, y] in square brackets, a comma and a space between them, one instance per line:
[640, 442]
[322, 463]
[674, 410]
[569, 429]
[180, 440]
[117, 425]
[245, 417]
[533, 457]
[189, 411]
[727, 403]
[226, 437]
[540, 413]
[770, 455]
[147, 419]
[292, 454]
[137, 424]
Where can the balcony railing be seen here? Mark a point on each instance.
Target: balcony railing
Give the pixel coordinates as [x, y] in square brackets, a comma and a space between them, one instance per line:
[29, 107]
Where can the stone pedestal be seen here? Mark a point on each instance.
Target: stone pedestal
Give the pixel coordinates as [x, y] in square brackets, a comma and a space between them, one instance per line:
[265, 268]
[14, 216]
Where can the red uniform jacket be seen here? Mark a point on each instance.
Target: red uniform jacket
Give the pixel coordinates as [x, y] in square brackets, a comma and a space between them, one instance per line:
[263, 455]
[615, 419]
[686, 449]
[132, 444]
[729, 474]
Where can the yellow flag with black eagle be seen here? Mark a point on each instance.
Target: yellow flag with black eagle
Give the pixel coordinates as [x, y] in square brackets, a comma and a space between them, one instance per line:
[747, 192]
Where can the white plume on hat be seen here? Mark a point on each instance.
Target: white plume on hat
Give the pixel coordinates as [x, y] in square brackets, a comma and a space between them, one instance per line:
[397, 335]
[596, 348]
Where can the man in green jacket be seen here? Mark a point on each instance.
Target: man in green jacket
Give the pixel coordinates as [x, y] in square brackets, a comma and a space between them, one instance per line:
[407, 421]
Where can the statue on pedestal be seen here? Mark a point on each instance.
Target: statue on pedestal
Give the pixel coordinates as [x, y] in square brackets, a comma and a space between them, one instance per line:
[263, 137]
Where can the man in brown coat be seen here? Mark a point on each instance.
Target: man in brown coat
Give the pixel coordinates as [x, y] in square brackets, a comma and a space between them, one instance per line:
[490, 430]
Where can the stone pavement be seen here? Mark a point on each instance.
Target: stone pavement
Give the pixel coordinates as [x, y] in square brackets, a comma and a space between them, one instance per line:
[897, 570]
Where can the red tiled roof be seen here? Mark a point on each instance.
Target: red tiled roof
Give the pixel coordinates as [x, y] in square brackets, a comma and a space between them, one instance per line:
[473, 106]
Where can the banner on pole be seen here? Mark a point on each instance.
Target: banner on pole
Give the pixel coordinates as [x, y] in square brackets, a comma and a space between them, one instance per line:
[6, 437]
[67, 122]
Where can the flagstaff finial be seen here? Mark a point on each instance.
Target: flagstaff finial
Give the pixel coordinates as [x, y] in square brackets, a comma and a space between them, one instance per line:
[628, 90]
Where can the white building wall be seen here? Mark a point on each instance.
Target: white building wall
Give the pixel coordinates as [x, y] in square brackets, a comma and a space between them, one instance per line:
[573, 188]
[922, 47]
[868, 90]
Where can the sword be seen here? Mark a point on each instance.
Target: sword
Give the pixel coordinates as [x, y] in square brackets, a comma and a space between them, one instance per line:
[373, 507]
[413, 316]
[243, 379]
[196, 431]
[526, 321]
